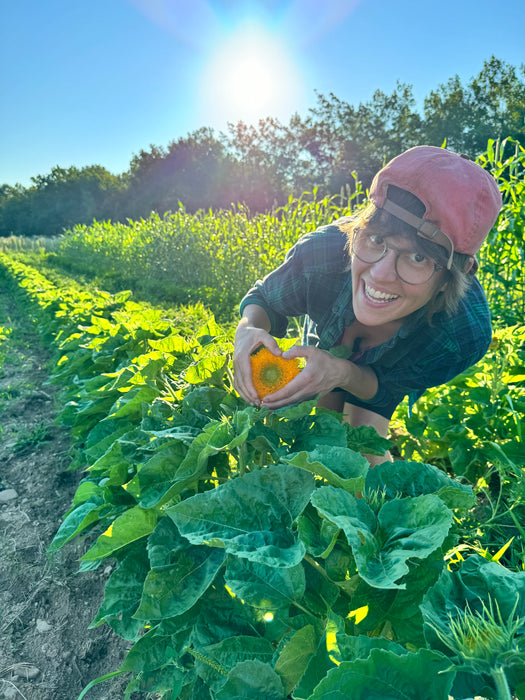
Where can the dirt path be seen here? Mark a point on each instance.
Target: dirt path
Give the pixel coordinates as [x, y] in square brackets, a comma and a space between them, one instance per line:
[46, 650]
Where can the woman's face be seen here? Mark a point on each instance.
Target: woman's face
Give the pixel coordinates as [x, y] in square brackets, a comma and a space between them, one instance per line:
[380, 297]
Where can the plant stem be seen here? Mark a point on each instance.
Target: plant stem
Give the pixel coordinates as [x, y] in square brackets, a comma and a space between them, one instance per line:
[228, 371]
[305, 610]
[502, 687]
[242, 452]
[516, 523]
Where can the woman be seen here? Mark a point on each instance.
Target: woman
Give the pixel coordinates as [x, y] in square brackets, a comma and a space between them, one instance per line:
[395, 284]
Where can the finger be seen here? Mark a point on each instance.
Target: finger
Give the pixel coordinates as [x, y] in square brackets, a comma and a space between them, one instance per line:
[272, 405]
[256, 338]
[243, 382]
[244, 386]
[304, 386]
[297, 351]
[273, 347]
[251, 398]
[294, 391]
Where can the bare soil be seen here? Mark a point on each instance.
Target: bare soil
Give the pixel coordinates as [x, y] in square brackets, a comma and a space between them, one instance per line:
[46, 649]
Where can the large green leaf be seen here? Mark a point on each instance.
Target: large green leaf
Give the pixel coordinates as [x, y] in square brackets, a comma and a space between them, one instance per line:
[165, 480]
[203, 403]
[318, 534]
[122, 595]
[253, 680]
[114, 458]
[78, 520]
[166, 681]
[129, 405]
[217, 615]
[321, 429]
[321, 594]
[403, 529]
[180, 573]
[265, 587]
[366, 439]
[157, 474]
[209, 332]
[164, 543]
[397, 608]
[360, 647]
[172, 590]
[385, 675]
[174, 344]
[317, 666]
[150, 652]
[128, 527]
[339, 466]
[229, 435]
[401, 479]
[214, 662]
[294, 658]
[103, 435]
[209, 369]
[251, 516]
[296, 410]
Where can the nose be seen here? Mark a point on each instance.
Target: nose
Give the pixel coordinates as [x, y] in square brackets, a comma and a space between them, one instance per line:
[385, 269]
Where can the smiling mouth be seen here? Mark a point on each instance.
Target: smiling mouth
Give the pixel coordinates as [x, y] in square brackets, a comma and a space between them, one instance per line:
[377, 296]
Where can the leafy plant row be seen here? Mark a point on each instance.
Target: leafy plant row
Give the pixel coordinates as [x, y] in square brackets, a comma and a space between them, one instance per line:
[255, 554]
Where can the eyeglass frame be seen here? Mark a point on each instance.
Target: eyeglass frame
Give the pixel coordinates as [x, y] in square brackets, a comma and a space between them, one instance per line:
[424, 228]
[399, 251]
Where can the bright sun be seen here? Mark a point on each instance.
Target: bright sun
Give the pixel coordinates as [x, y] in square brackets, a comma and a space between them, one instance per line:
[249, 77]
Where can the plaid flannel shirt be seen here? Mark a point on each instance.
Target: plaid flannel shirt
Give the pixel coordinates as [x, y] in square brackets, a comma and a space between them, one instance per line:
[315, 281]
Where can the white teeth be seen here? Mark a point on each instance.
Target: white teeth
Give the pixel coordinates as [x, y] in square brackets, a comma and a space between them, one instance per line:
[376, 295]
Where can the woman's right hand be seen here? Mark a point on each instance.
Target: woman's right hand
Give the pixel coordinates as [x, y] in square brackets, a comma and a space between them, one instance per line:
[248, 337]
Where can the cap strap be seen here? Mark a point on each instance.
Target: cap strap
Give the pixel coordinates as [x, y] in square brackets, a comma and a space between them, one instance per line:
[426, 229]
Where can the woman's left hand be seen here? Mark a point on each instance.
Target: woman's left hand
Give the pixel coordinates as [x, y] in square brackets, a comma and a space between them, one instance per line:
[321, 374]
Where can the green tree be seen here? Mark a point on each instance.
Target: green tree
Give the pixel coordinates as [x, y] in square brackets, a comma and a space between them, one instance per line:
[69, 196]
[262, 162]
[490, 106]
[13, 210]
[195, 170]
[343, 139]
[59, 200]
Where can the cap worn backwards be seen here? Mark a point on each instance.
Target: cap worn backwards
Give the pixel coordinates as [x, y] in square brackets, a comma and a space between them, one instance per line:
[462, 200]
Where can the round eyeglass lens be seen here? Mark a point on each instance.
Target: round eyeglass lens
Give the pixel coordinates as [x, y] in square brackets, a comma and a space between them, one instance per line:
[411, 267]
[414, 268]
[369, 249]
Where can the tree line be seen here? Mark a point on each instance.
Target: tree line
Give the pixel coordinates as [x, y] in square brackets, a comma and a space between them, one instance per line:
[330, 148]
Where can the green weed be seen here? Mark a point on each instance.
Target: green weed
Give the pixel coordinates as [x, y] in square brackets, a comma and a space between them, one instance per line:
[30, 437]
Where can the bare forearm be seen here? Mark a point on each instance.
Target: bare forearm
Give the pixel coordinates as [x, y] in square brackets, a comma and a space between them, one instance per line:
[357, 380]
[254, 316]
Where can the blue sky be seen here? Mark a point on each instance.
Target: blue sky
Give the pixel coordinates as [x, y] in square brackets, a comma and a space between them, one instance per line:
[87, 82]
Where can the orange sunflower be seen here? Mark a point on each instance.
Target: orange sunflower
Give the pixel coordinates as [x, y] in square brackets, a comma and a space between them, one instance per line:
[271, 372]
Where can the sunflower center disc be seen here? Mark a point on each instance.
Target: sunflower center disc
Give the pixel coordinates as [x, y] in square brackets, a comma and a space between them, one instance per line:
[271, 374]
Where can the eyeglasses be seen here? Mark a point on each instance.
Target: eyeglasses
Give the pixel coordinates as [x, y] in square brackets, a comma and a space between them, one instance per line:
[411, 266]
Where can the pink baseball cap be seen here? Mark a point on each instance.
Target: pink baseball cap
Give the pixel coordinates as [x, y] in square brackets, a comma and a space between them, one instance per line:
[462, 200]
